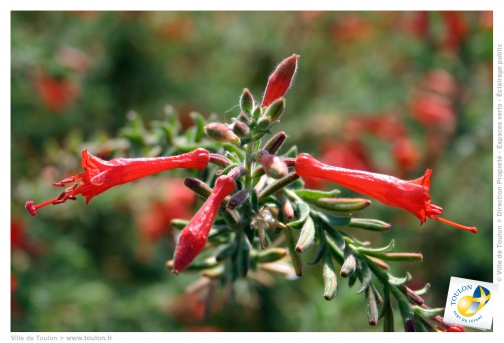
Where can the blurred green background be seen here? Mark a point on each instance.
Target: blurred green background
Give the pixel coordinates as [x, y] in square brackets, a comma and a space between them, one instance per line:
[391, 92]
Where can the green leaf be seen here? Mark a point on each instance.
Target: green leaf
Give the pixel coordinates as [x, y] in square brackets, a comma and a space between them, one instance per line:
[307, 235]
[309, 194]
[321, 247]
[423, 290]
[292, 152]
[396, 281]
[369, 224]
[303, 210]
[365, 275]
[429, 313]
[330, 277]
[295, 256]
[371, 306]
[374, 252]
[244, 257]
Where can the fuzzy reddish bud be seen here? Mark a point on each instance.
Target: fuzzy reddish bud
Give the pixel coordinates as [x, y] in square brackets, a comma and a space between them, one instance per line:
[221, 133]
[194, 236]
[273, 165]
[280, 81]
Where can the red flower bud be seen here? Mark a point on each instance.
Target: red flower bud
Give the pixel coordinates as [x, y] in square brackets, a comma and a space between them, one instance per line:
[100, 175]
[280, 81]
[412, 196]
[194, 236]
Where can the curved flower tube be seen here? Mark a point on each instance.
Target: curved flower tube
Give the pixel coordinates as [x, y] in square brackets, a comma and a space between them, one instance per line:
[412, 196]
[100, 175]
[195, 235]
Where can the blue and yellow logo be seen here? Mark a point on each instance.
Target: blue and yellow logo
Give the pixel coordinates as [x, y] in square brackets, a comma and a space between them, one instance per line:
[469, 305]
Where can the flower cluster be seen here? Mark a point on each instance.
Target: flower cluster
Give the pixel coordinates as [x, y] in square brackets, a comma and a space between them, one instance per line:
[256, 194]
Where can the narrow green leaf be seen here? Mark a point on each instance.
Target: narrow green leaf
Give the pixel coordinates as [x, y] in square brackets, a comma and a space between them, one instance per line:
[200, 123]
[321, 247]
[371, 251]
[396, 281]
[330, 277]
[303, 210]
[371, 306]
[369, 224]
[429, 313]
[295, 256]
[310, 194]
[307, 235]
[365, 275]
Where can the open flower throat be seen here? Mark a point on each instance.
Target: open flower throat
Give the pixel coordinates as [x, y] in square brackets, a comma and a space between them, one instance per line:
[412, 196]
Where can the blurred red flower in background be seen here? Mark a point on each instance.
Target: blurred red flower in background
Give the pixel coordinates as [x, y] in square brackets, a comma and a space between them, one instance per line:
[177, 202]
[56, 93]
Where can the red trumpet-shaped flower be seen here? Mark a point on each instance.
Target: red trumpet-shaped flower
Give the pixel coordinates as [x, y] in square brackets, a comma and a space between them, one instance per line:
[100, 175]
[194, 236]
[412, 196]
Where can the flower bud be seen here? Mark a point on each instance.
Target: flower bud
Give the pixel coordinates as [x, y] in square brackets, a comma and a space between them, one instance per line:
[238, 199]
[241, 129]
[273, 165]
[246, 102]
[221, 133]
[280, 81]
[275, 110]
[264, 123]
[275, 143]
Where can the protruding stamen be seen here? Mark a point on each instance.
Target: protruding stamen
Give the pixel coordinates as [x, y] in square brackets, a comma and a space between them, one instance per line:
[63, 182]
[472, 229]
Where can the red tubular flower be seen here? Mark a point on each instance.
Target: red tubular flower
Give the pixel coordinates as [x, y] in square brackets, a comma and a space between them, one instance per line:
[194, 236]
[455, 328]
[100, 175]
[280, 81]
[412, 196]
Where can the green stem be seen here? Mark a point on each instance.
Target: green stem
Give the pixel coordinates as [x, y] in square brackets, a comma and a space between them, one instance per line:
[248, 165]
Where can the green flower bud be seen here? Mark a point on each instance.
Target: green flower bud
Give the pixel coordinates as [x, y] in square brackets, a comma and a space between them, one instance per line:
[221, 133]
[246, 102]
